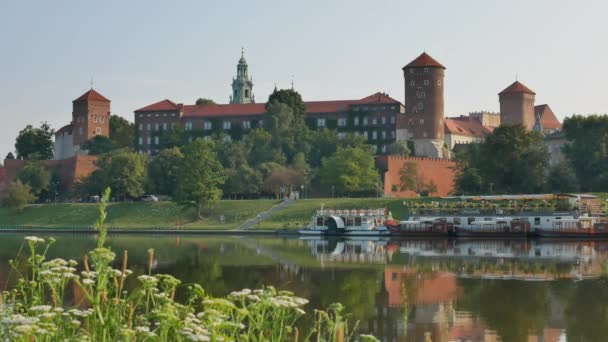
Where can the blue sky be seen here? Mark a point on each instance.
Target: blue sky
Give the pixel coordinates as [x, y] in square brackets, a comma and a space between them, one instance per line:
[139, 52]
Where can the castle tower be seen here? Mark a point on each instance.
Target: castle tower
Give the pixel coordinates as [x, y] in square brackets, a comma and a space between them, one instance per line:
[90, 117]
[424, 106]
[242, 85]
[517, 106]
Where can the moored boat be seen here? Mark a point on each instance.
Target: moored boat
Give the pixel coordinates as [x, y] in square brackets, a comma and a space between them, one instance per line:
[349, 222]
[427, 227]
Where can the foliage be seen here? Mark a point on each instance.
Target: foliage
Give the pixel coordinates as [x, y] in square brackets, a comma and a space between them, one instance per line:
[163, 172]
[10, 156]
[408, 176]
[100, 144]
[36, 309]
[562, 178]
[122, 132]
[36, 175]
[280, 179]
[351, 170]
[125, 171]
[204, 102]
[587, 150]
[399, 148]
[510, 160]
[293, 100]
[18, 195]
[35, 143]
[200, 176]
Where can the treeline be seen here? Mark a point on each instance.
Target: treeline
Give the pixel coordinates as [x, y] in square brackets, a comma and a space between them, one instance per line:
[512, 160]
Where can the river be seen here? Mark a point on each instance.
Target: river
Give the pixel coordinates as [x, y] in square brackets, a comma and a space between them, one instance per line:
[398, 289]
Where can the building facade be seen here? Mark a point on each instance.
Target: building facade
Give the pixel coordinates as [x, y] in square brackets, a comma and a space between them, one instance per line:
[242, 84]
[517, 106]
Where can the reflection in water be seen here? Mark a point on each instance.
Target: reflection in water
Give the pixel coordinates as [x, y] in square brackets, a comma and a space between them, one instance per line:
[399, 289]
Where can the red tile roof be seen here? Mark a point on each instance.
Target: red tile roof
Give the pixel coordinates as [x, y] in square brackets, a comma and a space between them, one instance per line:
[548, 120]
[424, 60]
[164, 105]
[517, 87]
[378, 98]
[91, 95]
[466, 126]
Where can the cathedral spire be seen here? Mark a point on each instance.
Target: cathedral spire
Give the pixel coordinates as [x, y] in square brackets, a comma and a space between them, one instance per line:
[242, 84]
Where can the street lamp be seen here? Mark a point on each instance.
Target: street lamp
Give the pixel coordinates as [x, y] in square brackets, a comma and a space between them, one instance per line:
[302, 191]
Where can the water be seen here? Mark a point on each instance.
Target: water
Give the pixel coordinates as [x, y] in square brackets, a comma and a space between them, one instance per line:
[399, 290]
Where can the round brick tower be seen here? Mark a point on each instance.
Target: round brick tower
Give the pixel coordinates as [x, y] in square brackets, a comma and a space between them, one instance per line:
[424, 105]
[517, 106]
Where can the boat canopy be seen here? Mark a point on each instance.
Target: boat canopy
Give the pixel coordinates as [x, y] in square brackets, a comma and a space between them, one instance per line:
[339, 223]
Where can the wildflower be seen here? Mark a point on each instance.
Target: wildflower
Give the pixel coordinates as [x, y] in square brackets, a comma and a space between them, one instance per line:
[76, 323]
[34, 239]
[81, 313]
[253, 298]
[91, 274]
[147, 280]
[88, 282]
[41, 308]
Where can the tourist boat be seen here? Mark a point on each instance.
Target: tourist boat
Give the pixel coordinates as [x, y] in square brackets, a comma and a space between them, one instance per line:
[578, 227]
[349, 222]
[424, 227]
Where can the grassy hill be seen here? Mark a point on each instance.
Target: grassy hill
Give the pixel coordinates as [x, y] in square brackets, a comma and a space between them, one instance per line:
[134, 215]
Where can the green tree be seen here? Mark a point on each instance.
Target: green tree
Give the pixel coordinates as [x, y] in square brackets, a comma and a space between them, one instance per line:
[10, 156]
[122, 132]
[243, 180]
[18, 195]
[408, 176]
[510, 160]
[98, 145]
[204, 102]
[399, 148]
[587, 150]
[163, 171]
[36, 175]
[351, 170]
[35, 143]
[200, 176]
[562, 178]
[122, 170]
[293, 100]
[279, 177]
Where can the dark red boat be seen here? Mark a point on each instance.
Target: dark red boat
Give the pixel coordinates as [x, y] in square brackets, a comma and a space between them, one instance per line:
[437, 227]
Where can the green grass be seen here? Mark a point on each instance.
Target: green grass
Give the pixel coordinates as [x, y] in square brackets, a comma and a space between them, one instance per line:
[300, 212]
[135, 215]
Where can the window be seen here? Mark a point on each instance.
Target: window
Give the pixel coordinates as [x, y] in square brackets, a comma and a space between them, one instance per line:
[392, 119]
[102, 119]
[320, 122]
[383, 135]
[261, 123]
[155, 140]
[227, 124]
[98, 130]
[439, 83]
[426, 70]
[246, 124]
[188, 125]
[383, 120]
[470, 220]
[141, 127]
[383, 149]
[341, 135]
[426, 82]
[394, 189]
[95, 119]
[374, 121]
[227, 138]
[412, 83]
[365, 134]
[537, 221]
[456, 220]
[422, 121]
[156, 126]
[207, 138]
[246, 92]
[374, 135]
[164, 126]
[375, 148]
[141, 140]
[342, 122]
[411, 71]
[420, 105]
[365, 121]
[356, 122]
[392, 134]
[148, 140]
[206, 125]
[149, 127]
[80, 130]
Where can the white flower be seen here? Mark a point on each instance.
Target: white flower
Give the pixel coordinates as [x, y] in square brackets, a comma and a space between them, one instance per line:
[75, 323]
[41, 308]
[88, 281]
[34, 239]
[148, 280]
[254, 298]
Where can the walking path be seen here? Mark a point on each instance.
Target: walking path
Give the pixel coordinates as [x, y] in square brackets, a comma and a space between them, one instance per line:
[264, 215]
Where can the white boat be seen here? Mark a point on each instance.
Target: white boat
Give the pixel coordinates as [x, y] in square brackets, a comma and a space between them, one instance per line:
[349, 222]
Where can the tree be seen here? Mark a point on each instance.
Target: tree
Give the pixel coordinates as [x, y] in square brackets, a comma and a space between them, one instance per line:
[10, 156]
[204, 102]
[562, 178]
[587, 150]
[36, 175]
[510, 160]
[293, 100]
[408, 176]
[100, 144]
[242, 180]
[35, 143]
[122, 132]
[18, 196]
[122, 170]
[351, 170]
[431, 187]
[279, 179]
[200, 176]
[399, 148]
[163, 171]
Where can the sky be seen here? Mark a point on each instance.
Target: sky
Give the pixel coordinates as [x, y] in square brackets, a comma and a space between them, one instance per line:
[141, 52]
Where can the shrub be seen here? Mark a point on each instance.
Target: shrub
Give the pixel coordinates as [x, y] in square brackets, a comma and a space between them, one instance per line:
[18, 196]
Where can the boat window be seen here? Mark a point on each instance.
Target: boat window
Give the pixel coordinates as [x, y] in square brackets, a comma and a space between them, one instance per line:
[456, 220]
[357, 221]
[558, 218]
[537, 220]
[487, 219]
[537, 252]
[343, 220]
[320, 221]
[470, 220]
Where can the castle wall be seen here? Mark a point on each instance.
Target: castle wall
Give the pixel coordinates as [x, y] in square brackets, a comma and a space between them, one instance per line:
[439, 171]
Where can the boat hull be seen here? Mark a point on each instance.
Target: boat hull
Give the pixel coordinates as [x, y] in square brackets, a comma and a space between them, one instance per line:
[579, 233]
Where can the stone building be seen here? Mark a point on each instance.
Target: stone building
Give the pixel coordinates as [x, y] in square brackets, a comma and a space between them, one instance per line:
[464, 130]
[487, 119]
[90, 117]
[517, 106]
[424, 106]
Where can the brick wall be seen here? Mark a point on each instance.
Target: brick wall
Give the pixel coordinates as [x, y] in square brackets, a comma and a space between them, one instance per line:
[440, 171]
